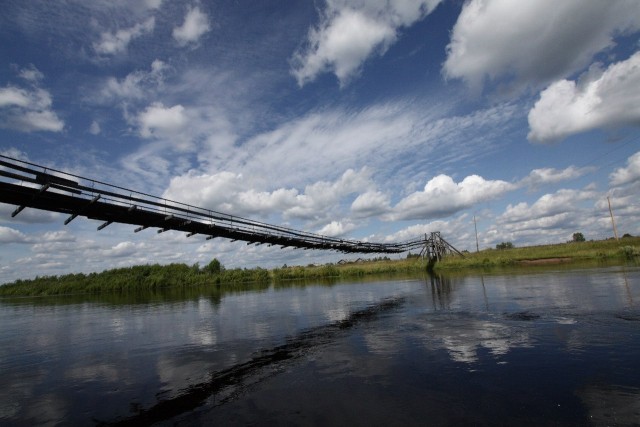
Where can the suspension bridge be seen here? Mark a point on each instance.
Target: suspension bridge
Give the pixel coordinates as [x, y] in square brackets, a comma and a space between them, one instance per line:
[28, 185]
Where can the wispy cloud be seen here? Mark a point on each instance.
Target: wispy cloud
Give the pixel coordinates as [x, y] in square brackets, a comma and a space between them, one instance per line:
[544, 176]
[137, 85]
[112, 43]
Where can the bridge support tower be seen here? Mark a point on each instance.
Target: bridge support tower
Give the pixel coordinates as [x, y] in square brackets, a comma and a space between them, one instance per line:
[436, 248]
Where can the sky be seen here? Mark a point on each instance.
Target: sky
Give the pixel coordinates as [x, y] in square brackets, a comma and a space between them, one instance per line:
[377, 120]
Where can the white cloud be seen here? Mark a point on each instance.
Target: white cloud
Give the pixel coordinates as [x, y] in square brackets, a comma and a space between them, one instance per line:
[113, 43]
[94, 129]
[322, 144]
[28, 109]
[371, 203]
[57, 236]
[552, 176]
[351, 32]
[601, 99]
[153, 4]
[627, 174]
[15, 153]
[533, 41]
[12, 96]
[158, 120]
[10, 235]
[549, 205]
[27, 216]
[337, 228]
[443, 197]
[452, 229]
[553, 218]
[31, 74]
[135, 85]
[230, 193]
[124, 249]
[195, 25]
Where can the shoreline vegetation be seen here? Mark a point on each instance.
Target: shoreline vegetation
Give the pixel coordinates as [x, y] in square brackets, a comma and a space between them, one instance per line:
[154, 277]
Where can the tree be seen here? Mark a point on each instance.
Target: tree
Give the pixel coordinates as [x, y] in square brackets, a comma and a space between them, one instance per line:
[578, 237]
[504, 245]
[214, 267]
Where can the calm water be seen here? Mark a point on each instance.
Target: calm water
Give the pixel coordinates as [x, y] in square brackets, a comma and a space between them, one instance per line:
[546, 347]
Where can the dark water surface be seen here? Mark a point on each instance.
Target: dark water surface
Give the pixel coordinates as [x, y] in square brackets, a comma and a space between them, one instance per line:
[543, 347]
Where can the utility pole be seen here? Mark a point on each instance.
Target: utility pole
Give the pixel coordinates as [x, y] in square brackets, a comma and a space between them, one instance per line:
[476, 228]
[615, 231]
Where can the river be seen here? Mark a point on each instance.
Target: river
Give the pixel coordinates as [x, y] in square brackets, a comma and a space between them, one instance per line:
[543, 346]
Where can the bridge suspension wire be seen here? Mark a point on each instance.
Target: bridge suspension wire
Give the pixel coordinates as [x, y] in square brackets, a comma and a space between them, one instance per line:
[28, 185]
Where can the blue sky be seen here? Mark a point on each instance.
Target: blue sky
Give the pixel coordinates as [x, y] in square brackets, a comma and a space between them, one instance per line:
[375, 120]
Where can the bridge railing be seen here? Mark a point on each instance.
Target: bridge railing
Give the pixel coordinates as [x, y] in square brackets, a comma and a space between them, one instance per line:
[26, 184]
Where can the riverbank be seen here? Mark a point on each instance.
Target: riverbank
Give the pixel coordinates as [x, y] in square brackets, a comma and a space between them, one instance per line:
[154, 277]
[627, 248]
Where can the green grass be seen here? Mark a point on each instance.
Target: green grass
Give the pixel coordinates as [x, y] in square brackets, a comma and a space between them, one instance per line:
[627, 248]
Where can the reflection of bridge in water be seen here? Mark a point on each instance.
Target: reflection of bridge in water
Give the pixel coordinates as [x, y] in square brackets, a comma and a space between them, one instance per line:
[28, 185]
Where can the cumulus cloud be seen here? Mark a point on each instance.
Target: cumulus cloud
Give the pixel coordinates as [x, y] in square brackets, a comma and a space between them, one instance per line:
[536, 41]
[195, 25]
[627, 174]
[600, 99]
[549, 205]
[371, 203]
[337, 228]
[158, 120]
[230, 193]
[351, 32]
[117, 42]
[442, 197]
[28, 109]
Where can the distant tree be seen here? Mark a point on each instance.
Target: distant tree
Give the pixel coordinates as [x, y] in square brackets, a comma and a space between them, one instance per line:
[214, 267]
[627, 236]
[578, 237]
[504, 245]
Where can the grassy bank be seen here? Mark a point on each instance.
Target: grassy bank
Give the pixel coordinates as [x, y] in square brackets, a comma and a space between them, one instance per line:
[627, 248]
[349, 269]
[154, 277]
[134, 279]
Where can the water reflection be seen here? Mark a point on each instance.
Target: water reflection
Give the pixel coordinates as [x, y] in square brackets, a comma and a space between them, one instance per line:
[401, 350]
[225, 384]
[440, 291]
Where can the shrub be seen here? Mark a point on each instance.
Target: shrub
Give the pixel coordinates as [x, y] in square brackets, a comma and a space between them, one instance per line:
[578, 237]
[504, 245]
